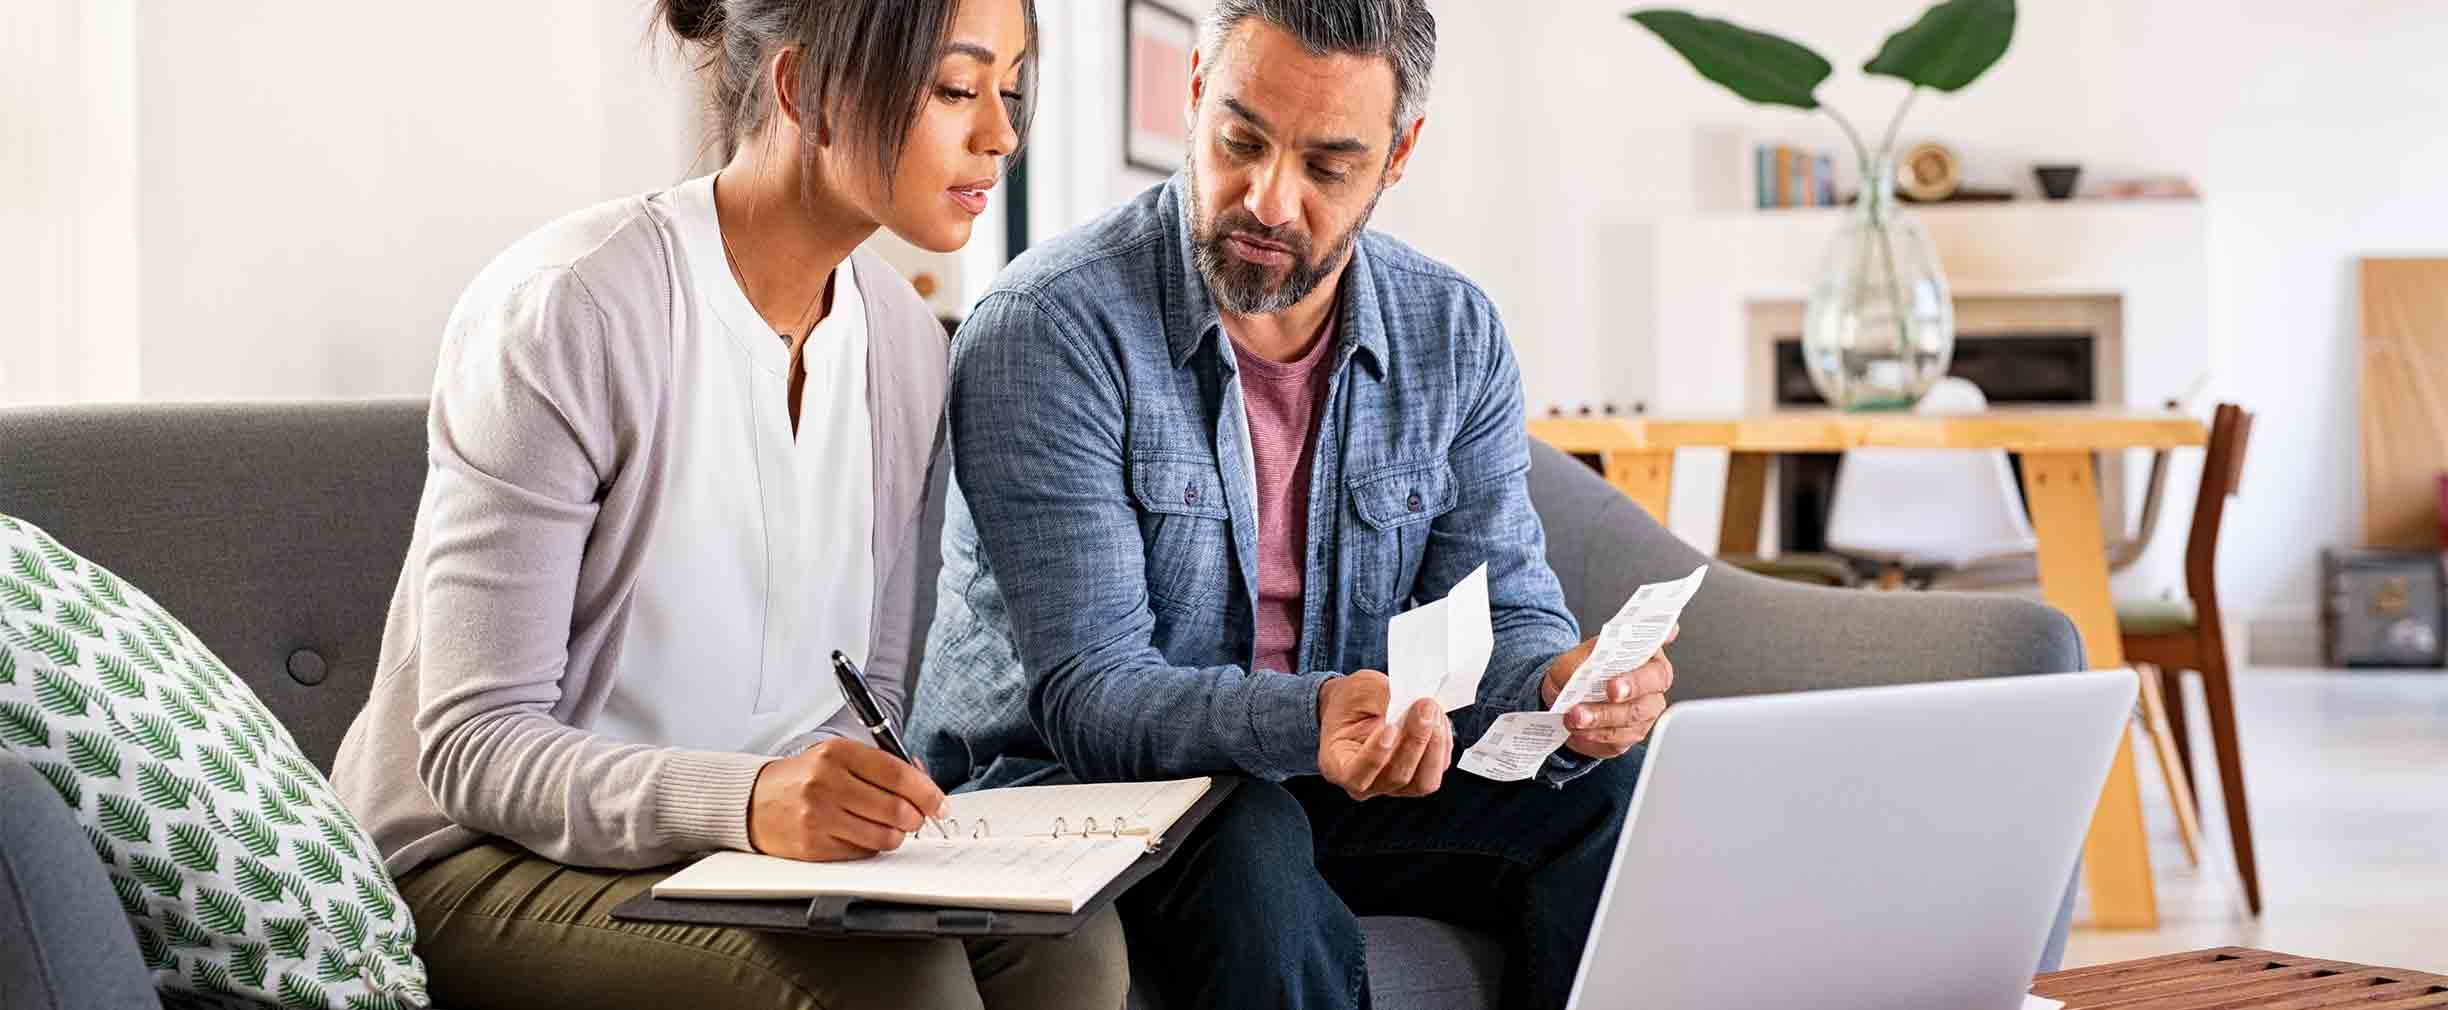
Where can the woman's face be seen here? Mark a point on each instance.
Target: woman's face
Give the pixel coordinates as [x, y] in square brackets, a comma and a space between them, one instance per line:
[955, 148]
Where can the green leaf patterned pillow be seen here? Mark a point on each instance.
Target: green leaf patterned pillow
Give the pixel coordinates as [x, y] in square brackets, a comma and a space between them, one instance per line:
[245, 879]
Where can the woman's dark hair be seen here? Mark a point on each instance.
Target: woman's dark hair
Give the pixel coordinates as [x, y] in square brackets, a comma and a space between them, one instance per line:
[866, 66]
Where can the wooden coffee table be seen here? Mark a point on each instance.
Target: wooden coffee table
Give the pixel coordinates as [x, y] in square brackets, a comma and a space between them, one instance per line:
[2239, 978]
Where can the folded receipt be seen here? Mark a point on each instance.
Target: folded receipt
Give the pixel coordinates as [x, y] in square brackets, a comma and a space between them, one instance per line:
[1518, 743]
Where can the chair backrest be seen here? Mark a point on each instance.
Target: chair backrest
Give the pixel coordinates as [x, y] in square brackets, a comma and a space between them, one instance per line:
[2222, 476]
[1922, 506]
[273, 531]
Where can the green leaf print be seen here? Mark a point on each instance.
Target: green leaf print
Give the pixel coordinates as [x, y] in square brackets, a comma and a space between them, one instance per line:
[272, 806]
[223, 912]
[8, 668]
[192, 846]
[209, 976]
[352, 925]
[258, 881]
[23, 725]
[364, 1001]
[63, 781]
[119, 678]
[338, 836]
[372, 897]
[103, 847]
[31, 568]
[288, 937]
[131, 894]
[299, 994]
[125, 819]
[58, 694]
[318, 860]
[78, 618]
[249, 961]
[160, 875]
[221, 769]
[156, 735]
[56, 556]
[149, 943]
[181, 710]
[59, 647]
[17, 595]
[197, 692]
[257, 836]
[93, 754]
[136, 651]
[332, 966]
[291, 791]
[164, 790]
[182, 931]
[238, 745]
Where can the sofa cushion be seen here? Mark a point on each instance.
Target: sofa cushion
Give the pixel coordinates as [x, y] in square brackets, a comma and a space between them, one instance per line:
[242, 875]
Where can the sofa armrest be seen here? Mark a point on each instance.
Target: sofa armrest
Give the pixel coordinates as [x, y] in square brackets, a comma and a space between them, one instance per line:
[68, 945]
[1750, 634]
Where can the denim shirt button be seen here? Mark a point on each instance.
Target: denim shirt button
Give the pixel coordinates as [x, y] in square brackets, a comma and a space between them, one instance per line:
[1414, 503]
[1190, 494]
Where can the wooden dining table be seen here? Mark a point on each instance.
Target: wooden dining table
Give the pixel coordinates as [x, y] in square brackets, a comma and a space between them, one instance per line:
[2060, 486]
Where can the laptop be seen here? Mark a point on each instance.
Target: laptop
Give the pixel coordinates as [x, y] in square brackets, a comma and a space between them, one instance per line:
[1862, 849]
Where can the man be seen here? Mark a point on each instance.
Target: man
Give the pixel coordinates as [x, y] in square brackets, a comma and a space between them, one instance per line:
[1204, 449]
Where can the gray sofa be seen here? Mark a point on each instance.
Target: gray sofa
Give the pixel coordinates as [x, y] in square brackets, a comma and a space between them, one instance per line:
[275, 532]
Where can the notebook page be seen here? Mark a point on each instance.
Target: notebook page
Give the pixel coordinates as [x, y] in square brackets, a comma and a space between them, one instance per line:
[1009, 874]
[1031, 811]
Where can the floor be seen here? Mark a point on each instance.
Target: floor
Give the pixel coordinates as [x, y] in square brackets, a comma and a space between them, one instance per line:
[2348, 774]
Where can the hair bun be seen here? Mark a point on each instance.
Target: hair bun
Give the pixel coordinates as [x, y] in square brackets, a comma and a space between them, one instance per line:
[698, 21]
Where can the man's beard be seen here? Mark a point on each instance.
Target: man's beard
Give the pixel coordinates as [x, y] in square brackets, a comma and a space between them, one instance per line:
[1245, 288]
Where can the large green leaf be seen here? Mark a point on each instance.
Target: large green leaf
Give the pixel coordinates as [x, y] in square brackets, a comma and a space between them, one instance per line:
[223, 912]
[297, 993]
[1950, 47]
[288, 937]
[260, 839]
[159, 874]
[62, 781]
[1756, 65]
[23, 725]
[93, 754]
[125, 819]
[192, 846]
[258, 881]
[131, 895]
[318, 860]
[249, 959]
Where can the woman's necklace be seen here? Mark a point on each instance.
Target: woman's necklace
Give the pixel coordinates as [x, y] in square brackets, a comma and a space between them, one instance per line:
[732, 261]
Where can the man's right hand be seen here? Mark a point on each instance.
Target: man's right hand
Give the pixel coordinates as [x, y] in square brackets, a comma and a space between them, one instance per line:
[840, 799]
[1368, 754]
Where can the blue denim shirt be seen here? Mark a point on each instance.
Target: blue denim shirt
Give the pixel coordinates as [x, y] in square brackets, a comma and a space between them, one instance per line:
[1098, 597]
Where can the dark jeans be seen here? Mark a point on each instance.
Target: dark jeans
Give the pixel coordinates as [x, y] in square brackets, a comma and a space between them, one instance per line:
[1261, 906]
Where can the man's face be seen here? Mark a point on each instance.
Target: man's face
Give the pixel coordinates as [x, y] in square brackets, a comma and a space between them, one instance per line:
[1288, 154]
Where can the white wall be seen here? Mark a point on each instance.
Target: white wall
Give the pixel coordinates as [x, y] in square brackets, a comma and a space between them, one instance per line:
[319, 181]
[1560, 131]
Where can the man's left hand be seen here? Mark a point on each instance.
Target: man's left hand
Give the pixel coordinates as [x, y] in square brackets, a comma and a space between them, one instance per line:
[1632, 704]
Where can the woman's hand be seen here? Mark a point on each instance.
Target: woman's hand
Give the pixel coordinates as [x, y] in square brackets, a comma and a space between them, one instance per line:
[838, 800]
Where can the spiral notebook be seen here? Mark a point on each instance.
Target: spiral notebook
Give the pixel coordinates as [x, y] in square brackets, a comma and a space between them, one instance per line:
[1025, 849]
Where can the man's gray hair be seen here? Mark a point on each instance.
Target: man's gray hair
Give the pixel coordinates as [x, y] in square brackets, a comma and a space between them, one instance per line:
[1402, 32]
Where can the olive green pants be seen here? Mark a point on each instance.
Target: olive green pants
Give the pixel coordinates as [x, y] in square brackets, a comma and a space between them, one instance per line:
[499, 926]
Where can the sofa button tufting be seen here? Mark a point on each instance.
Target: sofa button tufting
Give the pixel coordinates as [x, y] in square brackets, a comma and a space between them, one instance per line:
[306, 667]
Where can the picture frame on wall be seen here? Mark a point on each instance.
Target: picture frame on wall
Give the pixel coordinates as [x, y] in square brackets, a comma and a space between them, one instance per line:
[1156, 44]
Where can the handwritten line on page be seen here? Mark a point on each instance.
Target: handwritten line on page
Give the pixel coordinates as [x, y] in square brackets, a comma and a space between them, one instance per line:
[1519, 742]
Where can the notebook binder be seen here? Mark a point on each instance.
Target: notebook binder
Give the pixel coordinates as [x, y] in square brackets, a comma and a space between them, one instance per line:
[842, 915]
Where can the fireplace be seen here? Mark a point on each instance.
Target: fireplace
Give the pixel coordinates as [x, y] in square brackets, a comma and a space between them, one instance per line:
[2021, 351]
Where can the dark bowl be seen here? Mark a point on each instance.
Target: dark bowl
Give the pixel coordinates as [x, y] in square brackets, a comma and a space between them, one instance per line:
[2057, 181]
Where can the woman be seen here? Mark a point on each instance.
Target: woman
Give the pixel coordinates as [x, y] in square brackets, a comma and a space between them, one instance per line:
[678, 447]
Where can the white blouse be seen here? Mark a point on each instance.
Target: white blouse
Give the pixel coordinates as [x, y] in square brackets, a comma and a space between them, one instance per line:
[762, 563]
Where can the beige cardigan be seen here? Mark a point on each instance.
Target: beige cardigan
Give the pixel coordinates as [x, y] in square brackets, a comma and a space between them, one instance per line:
[546, 462]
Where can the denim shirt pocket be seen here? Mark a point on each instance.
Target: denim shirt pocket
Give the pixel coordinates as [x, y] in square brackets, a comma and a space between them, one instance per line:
[1183, 522]
[1395, 505]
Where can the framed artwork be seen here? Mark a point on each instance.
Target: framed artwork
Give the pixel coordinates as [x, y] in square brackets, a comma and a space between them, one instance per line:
[1156, 45]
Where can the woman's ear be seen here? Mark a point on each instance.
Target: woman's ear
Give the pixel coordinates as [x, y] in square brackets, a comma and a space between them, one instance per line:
[783, 77]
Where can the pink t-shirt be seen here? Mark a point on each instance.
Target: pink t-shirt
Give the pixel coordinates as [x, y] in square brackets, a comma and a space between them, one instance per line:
[1281, 399]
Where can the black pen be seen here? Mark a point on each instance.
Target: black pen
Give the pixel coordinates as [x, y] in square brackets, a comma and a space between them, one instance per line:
[871, 715]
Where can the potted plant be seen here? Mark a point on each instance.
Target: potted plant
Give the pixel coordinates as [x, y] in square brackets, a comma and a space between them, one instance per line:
[1879, 328]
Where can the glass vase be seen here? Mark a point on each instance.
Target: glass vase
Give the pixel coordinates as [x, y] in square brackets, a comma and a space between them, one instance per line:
[1879, 328]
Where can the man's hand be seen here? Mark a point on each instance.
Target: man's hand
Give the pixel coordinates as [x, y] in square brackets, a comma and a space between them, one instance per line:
[1609, 728]
[1368, 754]
[840, 799]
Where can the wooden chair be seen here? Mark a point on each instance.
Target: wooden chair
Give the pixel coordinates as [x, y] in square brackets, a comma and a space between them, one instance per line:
[2188, 634]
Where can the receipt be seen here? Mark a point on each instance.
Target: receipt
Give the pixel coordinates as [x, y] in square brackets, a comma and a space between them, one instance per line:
[1440, 650]
[1515, 746]
[1518, 742]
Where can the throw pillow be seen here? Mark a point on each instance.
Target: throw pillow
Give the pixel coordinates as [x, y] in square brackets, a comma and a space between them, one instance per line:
[245, 879]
